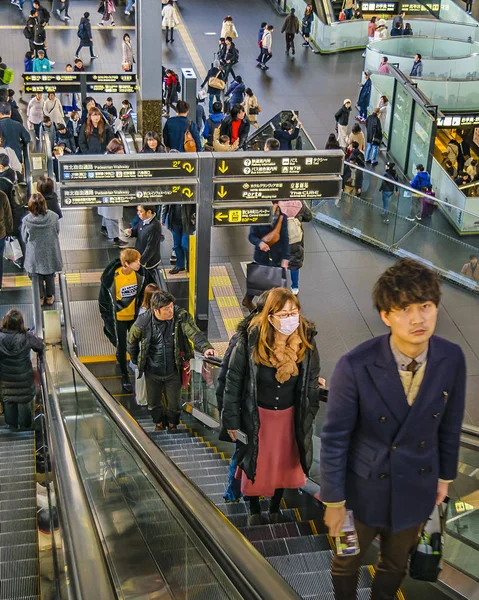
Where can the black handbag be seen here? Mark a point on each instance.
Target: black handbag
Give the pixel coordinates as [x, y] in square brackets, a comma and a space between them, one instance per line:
[254, 110]
[261, 278]
[425, 562]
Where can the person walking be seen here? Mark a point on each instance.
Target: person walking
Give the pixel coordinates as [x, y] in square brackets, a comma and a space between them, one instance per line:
[266, 48]
[214, 82]
[296, 212]
[416, 70]
[271, 246]
[260, 39]
[272, 394]
[39, 35]
[85, 35]
[41, 64]
[251, 107]
[17, 383]
[470, 269]
[371, 28]
[229, 59]
[171, 90]
[392, 468]
[52, 107]
[147, 232]
[63, 7]
[128, 54]
[160, 345]
[422, 183]
[40, 234]
[121, 292]
[176, 128]
[290, 29]
[306, 25]
[13, 134]
[381, 32]
[228, 28]
[126, 118]
[180, 220]
[399, 20]
[35, 113]
[6, 227]
[170, 20]
[342, 120]
[95, 134]
[374, 135]
[235, 92]
[213, 122]
[388, 188]
[364, 98]
[108, 11]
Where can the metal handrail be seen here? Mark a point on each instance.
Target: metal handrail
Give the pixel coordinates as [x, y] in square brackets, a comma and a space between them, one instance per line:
[252, 576]
[28, 168]
[124, 141]
[47, 148]
[87, 571]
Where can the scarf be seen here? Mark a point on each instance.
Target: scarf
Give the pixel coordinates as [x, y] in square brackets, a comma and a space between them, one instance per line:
[284, 356]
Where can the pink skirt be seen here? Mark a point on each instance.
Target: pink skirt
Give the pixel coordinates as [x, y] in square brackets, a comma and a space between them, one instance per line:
[278, 464]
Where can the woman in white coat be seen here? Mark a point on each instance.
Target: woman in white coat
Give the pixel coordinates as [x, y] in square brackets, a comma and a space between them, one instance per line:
[228, 28]
[53, 108]
[170, 20]
[35, 113]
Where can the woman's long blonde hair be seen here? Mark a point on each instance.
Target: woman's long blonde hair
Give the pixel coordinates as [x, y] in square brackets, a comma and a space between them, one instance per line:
[275, 302]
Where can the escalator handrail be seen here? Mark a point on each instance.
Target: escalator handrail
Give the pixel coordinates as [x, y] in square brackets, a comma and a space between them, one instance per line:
[28, 168]
[85, 561]
[47, 148]
[252, 576]
[124, 141]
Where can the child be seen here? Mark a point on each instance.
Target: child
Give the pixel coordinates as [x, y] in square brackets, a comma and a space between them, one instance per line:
[74, 126]
[28, 62]
[222, 144]
[65, 137]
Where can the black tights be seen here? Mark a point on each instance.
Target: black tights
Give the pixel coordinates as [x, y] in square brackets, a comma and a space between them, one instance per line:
[255, 507]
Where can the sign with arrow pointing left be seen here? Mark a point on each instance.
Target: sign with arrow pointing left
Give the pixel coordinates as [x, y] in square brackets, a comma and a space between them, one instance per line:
[242, 215]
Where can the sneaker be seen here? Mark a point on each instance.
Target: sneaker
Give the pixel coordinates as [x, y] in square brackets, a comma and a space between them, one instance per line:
[410, 219]
[176, 270]
[173, 258]
[52, 63]
[112, 24]
[127, 12]
[119, 243]
[259, 65]
[419, 217]
[373, 164]
[94, 56]
[386, 221]
[68, 18]
[76, 56]
[103, 231]
[295, 291]
[101, 24]
[305, 44]
[367, 161]
[126, 385]
[160, 427]
[58, 12]
[293, 51]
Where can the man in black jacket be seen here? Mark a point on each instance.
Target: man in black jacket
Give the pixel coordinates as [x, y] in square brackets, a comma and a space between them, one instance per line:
[148, 234]
[180, 220]
[121, 290]
[374, 134]
[342, 120]
[230, 58]
[14, 135]
[236, 125]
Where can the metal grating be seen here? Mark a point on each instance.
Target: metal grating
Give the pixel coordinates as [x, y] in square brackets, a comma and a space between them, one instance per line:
[19, 588]
[91, 340]
[26, 310]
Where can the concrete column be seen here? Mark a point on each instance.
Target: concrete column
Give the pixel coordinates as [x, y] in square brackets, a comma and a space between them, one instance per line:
[188, 90]
[149, 60]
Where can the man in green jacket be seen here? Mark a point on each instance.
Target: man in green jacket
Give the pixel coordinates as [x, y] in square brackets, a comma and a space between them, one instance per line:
[160, 342]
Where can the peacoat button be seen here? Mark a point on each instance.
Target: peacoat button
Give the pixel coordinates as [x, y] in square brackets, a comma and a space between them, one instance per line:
[422, 444]
[383, 476]
[277, 398]
[436, 415]
[382, 419]
[394, 447]
[278, 386]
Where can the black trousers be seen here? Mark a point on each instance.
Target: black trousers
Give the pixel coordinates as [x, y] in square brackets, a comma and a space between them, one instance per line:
[395, 548]
[46, 284]
[289, 41]
[18, 415]
[255, 507]
[122, 329]
[170, 386]
[169, 30]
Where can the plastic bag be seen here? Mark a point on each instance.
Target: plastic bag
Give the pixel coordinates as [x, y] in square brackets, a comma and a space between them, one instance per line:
[13, 250]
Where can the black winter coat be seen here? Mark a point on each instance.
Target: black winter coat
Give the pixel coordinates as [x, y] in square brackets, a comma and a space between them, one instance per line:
[93, 144]
[342, 115]
[53, 204]
[373, 129]
[296, 251]
[226, 129]
[188, 217]
[277, 252]
[16, 371]
[148, 241]
[240, 409]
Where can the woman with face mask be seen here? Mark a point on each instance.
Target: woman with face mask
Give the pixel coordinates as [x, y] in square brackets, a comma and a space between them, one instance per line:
[272, 395]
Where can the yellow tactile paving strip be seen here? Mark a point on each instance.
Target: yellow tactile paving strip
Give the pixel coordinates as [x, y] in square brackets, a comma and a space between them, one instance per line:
[226, 299]
[190, 47]
[78, 278]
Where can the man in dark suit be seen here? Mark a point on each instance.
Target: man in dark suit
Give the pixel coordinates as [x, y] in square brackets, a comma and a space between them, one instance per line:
[14, 134]
[390, 442]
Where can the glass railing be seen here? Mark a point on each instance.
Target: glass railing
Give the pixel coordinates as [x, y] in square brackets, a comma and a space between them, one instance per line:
[452, 11]
[258, 138]
[451, 95]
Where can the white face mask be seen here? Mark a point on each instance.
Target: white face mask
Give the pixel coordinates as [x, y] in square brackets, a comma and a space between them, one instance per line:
[288, 325]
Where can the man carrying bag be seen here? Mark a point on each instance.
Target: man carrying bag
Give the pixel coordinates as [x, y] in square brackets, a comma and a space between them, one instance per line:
[271, 257]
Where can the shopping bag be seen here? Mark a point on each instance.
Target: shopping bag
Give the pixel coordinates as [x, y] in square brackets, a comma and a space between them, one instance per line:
[342, 16]
[140, 389]
[202, 94]
[13, 250]
[425, 562]
[261, 278]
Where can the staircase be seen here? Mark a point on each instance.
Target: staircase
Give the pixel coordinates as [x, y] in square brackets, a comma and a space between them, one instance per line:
[18, 523]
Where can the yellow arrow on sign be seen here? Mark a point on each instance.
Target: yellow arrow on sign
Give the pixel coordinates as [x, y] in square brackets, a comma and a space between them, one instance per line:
[222, 192]
[188, 167]
[187, 192]
[220, 216]
[223, 167]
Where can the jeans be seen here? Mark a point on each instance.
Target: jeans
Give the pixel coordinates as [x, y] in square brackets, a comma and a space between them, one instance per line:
[18, 414]
[90, 45]
[171, 387]
[289, 41]
[180, 246]
[122, 329]
[348, 13]
[2, 248]
[129, 6]
[233, 489]
[386, 197]
[363, 111]
[294, 278]
[371, 152]
[214, 98]
[265, 56]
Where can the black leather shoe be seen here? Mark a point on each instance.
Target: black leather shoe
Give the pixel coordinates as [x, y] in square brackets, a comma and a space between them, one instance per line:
[175, 270]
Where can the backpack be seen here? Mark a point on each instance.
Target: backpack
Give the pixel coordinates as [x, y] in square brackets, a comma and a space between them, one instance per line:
[212, 127]
[8, 76]
[28, 32]
[189, 143]
[19, 192]
[82, 32]
[295, 231]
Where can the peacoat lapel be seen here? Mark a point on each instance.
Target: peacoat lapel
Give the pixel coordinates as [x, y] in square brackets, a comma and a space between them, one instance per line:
[385, 377]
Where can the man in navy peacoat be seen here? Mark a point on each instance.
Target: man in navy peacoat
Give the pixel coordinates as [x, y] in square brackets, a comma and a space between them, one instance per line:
[390, 441]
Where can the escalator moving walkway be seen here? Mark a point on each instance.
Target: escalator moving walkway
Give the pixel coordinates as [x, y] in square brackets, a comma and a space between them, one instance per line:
[18, 524]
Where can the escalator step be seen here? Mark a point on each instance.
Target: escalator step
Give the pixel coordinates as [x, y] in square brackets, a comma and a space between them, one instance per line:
[202, 461]
[233, 508]
[210, 488]
[279, 531]
[18, 569]
[202, 480]
[319, 583]
[17, 513]
[5, 479]
[19, 525]
[17, 470]
[15, 504]
[18, 537]
[18, 552]
[28, 492]
[179, 444]
[298, 545]
[186, 452]
[210, 471]
[318, 561]
[241, 520]
[163, 436]
[11, 589]
[18, 486]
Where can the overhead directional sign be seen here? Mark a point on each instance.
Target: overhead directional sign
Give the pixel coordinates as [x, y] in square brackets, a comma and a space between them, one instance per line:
[113, 78]
[276, 163]
[73, 77]
[46, 88]
[112, 88]
[115, 83]
[242, 215]
[312, 189]
[149, 166]
[128, 193]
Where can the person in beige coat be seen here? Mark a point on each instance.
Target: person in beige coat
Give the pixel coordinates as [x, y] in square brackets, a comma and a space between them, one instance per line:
[470, 269]
[251, 102]
[128, 54]
[170, 20]
[53, 108]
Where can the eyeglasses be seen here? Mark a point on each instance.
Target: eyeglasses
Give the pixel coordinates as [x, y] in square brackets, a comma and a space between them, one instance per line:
[285, 315]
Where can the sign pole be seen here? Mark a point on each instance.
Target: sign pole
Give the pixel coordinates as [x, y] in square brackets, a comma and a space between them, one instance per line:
[83, 88]
[204, 216]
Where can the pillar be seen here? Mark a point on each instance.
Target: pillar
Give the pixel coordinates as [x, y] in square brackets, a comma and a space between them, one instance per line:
[149, 50]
